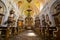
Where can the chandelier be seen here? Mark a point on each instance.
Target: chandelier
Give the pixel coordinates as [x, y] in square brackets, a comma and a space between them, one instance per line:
[29, 1]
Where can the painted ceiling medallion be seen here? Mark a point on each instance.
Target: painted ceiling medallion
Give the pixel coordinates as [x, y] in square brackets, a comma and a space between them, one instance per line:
[29, 1]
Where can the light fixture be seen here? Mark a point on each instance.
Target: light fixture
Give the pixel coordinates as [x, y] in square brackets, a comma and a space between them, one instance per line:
[29, 10]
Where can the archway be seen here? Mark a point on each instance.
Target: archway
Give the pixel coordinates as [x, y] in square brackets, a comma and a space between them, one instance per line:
[55, 10]
[2, 15]
[3, 10]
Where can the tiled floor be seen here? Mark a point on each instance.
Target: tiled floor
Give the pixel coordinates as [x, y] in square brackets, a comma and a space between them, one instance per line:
[27, 35]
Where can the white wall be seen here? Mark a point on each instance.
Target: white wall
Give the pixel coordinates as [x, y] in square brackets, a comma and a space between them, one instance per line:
[9, 5]
[46, 10]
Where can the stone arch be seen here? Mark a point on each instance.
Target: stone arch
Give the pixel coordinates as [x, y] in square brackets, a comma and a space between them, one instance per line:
[56, 14]
[54, 5]
[2, 4]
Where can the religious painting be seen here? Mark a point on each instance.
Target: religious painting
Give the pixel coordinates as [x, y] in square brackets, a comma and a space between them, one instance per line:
[20, 23]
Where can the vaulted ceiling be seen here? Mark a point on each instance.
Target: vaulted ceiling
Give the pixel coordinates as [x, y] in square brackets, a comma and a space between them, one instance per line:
[34, 5]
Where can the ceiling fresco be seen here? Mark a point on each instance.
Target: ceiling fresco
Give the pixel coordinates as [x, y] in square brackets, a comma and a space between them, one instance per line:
[34, 5]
